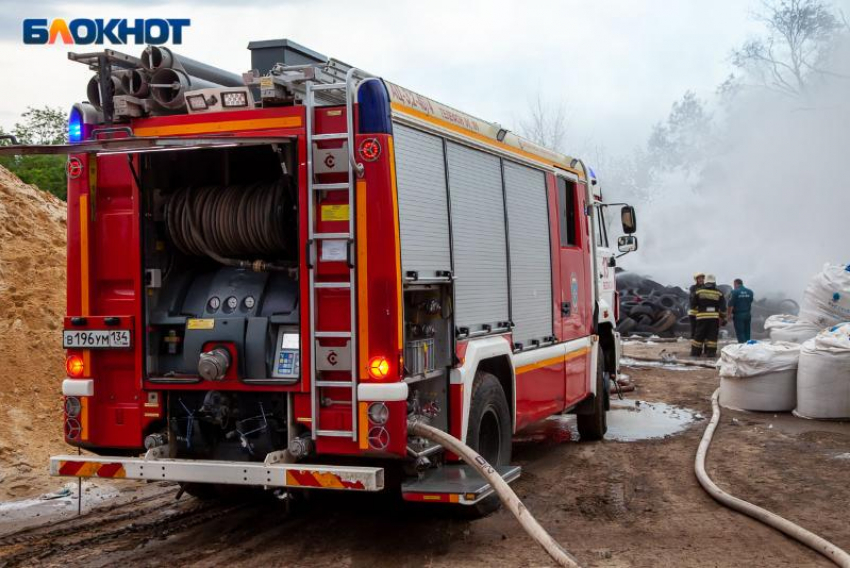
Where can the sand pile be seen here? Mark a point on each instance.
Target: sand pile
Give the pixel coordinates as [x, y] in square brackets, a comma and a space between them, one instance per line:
[32, 305]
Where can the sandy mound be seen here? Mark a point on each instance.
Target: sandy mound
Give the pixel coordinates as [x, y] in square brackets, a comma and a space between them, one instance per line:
[32, 305]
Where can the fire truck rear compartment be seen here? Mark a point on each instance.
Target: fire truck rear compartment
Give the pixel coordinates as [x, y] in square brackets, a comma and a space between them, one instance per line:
[222, 298]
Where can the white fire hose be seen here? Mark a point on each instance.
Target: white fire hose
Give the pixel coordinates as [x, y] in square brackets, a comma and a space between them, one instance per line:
[502, 489]
[813, 541]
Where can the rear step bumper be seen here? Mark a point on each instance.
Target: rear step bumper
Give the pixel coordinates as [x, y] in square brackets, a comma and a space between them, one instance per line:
[454, 484]
[269, 474]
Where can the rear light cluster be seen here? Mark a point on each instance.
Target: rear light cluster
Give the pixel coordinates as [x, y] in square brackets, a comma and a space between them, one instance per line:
[73, 409]
[379, 368]
[379, 437]
[370, 149]
[74, 366]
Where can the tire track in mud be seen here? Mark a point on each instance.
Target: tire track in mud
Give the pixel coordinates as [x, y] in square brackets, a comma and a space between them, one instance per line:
[158, 516]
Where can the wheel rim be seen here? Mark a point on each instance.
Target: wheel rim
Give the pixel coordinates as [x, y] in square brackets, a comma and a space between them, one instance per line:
[490, 436]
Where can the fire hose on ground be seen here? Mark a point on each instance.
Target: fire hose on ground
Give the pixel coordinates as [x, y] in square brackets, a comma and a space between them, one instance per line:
[500, 486]
[798, 533]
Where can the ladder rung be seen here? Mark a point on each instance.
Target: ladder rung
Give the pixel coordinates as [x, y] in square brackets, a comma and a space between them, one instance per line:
[330, 186]
[333, 334]
[330, 136]
[337, 236]
[328, 87]
[332, 284]
[335, 433]
[341, 384]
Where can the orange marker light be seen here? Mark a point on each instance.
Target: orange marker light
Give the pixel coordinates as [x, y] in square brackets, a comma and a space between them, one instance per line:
[74, 366]
[379, 368]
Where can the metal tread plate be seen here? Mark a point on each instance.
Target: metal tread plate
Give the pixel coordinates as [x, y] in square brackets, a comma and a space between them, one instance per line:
[455, 484]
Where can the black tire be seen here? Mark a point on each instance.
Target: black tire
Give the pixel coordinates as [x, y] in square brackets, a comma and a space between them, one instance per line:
[490, 433]
[593, 426]
[626, 325]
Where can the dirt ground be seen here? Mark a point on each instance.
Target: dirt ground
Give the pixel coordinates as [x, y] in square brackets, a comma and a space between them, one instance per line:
[610, 503]
[32, 305]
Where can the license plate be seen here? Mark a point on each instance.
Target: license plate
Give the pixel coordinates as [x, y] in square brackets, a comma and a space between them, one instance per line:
[96, 339]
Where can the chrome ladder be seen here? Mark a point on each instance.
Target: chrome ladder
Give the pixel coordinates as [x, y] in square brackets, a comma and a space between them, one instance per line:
[355, 169]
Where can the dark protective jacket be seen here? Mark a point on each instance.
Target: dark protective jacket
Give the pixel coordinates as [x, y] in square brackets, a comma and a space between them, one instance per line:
[741, 301]
[691, 292]
[709, 303]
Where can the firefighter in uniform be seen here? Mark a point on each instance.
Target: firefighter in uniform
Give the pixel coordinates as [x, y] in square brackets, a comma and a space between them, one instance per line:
[740, 304]
[710, 305]
[699, 279]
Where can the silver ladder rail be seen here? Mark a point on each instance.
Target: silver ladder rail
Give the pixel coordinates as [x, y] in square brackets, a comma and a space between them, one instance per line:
[355, 170]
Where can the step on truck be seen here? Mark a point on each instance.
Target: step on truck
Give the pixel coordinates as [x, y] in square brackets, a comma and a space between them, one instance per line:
[269, 275]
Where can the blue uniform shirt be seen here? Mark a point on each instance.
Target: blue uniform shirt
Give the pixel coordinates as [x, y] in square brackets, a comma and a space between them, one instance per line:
[741, 300]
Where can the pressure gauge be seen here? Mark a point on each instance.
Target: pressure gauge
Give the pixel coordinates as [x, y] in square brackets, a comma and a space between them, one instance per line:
[214, 303]
[232, 302]
[249, 302]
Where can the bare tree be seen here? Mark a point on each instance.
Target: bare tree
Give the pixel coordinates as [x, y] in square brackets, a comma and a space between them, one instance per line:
[545, 124]
[799, 33]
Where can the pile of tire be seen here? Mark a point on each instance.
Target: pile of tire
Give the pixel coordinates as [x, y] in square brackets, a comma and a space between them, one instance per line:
[650, 308]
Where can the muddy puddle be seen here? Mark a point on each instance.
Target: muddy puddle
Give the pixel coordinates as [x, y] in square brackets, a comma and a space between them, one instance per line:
[628, 421]
[635, 420]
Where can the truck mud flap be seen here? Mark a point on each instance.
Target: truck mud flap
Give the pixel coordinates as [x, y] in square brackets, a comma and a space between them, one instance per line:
[227, 472]
[460, 484]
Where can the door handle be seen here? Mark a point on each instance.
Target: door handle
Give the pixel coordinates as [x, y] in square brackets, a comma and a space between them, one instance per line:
[565, 309]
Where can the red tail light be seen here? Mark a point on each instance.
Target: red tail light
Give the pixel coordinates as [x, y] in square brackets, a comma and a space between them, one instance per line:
[370, 149]
[74, 366]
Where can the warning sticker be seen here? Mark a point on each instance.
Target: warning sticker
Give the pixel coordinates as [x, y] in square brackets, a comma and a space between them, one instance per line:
[200, 324]
[335, 212]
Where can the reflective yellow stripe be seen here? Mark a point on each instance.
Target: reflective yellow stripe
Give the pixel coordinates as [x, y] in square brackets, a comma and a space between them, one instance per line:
[708, 315]
[552, 361]
[224, 126]
[481, 138]
[391, 150]
[362, 281]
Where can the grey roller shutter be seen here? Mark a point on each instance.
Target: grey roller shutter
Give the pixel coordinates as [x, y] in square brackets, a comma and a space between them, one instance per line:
[531, 261]
[422, 202]
[478, 236]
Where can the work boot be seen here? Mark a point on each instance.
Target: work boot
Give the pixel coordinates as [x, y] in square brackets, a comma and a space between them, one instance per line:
[711, 353]
[695, 352]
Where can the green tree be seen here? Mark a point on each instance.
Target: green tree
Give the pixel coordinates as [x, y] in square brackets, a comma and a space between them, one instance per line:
[46, 125]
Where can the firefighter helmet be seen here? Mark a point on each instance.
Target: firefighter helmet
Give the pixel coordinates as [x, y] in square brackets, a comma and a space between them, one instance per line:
[710, 279]
[698, 274]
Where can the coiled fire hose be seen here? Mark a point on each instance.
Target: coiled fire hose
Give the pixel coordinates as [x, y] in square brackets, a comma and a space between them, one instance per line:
[798, 533]
[502, 489]
[228, 223]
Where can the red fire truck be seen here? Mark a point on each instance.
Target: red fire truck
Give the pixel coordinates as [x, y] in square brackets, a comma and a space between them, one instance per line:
[270, 275]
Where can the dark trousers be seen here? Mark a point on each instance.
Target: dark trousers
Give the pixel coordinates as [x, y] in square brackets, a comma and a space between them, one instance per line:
[705, 337]
[742, 326]
[693, 325]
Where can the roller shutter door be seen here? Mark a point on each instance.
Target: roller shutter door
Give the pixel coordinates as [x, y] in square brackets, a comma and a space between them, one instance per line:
[531, 261]
[478, 234]
[422, 201]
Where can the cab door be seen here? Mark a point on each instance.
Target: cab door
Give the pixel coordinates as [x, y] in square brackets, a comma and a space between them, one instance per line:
[575, 291]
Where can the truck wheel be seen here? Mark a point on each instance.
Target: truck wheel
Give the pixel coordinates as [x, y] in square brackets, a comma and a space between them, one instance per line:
[489, 433]
[592, 427]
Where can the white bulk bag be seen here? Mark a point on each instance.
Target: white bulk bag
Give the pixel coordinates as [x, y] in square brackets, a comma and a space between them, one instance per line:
[823, 376]
[826, 301]
[759, 376]
[790, 328]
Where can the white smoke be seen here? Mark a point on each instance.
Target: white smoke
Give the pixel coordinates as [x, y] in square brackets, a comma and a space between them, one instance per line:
[770, 200]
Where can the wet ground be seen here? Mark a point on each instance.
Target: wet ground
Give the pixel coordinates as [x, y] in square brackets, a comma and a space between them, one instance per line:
[611, 503]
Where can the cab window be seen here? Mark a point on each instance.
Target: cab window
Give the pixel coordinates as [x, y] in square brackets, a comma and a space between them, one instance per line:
[567, 214]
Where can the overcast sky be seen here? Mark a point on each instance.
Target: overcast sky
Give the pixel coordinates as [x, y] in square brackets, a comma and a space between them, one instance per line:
[617, 65]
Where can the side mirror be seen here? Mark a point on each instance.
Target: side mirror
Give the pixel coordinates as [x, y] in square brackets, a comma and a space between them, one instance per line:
[627, 244]
[627, 216]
